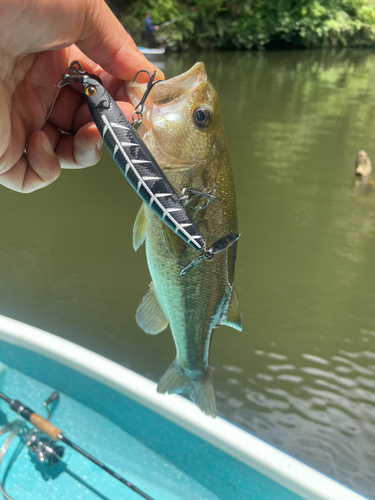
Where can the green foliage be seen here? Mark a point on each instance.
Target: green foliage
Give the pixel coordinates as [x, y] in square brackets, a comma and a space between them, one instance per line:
[253, 24]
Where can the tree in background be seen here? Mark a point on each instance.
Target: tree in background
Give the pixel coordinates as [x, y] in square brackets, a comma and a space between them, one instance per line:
[253, 24]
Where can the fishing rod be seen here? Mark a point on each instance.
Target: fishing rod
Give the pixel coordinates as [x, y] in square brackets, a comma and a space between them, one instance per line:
[53, 432]
[173, 21]
[192, 10]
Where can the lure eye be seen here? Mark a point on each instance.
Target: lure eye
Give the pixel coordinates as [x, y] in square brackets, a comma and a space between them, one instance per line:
[90, 91]
[201, 117]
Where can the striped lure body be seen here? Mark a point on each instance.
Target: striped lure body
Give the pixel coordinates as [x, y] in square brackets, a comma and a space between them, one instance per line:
[137, 163]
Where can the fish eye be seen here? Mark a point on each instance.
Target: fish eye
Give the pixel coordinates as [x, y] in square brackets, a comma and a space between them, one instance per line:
[90, 91]
[201, 117]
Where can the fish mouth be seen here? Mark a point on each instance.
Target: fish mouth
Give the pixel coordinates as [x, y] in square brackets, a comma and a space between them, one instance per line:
[164, 91]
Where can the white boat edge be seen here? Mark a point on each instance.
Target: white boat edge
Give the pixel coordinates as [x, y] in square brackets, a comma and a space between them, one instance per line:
[296, 476]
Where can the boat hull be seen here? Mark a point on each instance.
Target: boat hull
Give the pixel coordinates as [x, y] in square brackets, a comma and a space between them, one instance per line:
[163, 444]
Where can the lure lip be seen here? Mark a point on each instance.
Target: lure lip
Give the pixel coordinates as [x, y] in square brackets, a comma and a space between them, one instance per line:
[223, 243]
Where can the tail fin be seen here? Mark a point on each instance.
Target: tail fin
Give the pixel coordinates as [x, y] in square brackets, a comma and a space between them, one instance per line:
[201, 390]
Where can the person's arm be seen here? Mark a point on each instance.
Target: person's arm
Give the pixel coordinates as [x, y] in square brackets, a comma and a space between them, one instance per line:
[39, 41]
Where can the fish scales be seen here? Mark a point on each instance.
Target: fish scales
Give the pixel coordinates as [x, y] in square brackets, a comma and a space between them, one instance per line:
[198, 302]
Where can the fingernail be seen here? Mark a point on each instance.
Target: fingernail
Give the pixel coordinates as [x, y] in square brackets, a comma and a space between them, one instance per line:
[99, 144]
[46, 145]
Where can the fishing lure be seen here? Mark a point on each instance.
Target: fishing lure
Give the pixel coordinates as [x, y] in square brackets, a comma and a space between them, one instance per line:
[139, 166]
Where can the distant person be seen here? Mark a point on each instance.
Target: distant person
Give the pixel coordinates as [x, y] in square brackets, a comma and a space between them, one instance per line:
[150, 28]
[363, 169]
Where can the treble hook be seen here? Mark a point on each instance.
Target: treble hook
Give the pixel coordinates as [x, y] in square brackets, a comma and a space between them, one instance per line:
[72, 74]
[140, 106]
[189, 193]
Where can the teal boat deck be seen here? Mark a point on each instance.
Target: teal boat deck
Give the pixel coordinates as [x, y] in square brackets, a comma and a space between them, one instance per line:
[159, 457]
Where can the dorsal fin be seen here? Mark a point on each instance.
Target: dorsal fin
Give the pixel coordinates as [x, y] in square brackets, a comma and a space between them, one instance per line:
[233, 317]
[149, 315]
[139, 228]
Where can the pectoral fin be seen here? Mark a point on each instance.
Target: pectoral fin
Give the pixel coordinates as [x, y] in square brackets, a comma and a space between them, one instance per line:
[174, 243]
[139, 228]
[149, 315]
[233, 317]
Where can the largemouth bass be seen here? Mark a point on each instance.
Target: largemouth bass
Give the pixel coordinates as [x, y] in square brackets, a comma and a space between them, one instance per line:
[183, 129]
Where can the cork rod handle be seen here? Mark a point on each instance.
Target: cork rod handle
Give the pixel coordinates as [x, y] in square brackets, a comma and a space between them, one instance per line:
[45, 426]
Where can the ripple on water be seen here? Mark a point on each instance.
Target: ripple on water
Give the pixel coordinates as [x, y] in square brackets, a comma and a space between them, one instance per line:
[280, 368]
[323, 412]
[263, 401]
[354, 366]
[232, 381]
[315, 359]
[293, 379]
[235, 403]
[317, 372]
[334, 399]
[343, 369]
[232, 369]
[367, 382]
[274, 355]
[265, 376]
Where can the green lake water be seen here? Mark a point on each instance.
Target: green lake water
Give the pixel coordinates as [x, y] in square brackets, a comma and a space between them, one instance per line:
[301, 375]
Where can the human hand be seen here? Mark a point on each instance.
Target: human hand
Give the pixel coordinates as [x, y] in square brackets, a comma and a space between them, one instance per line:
[156, 27]
[39, 40]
